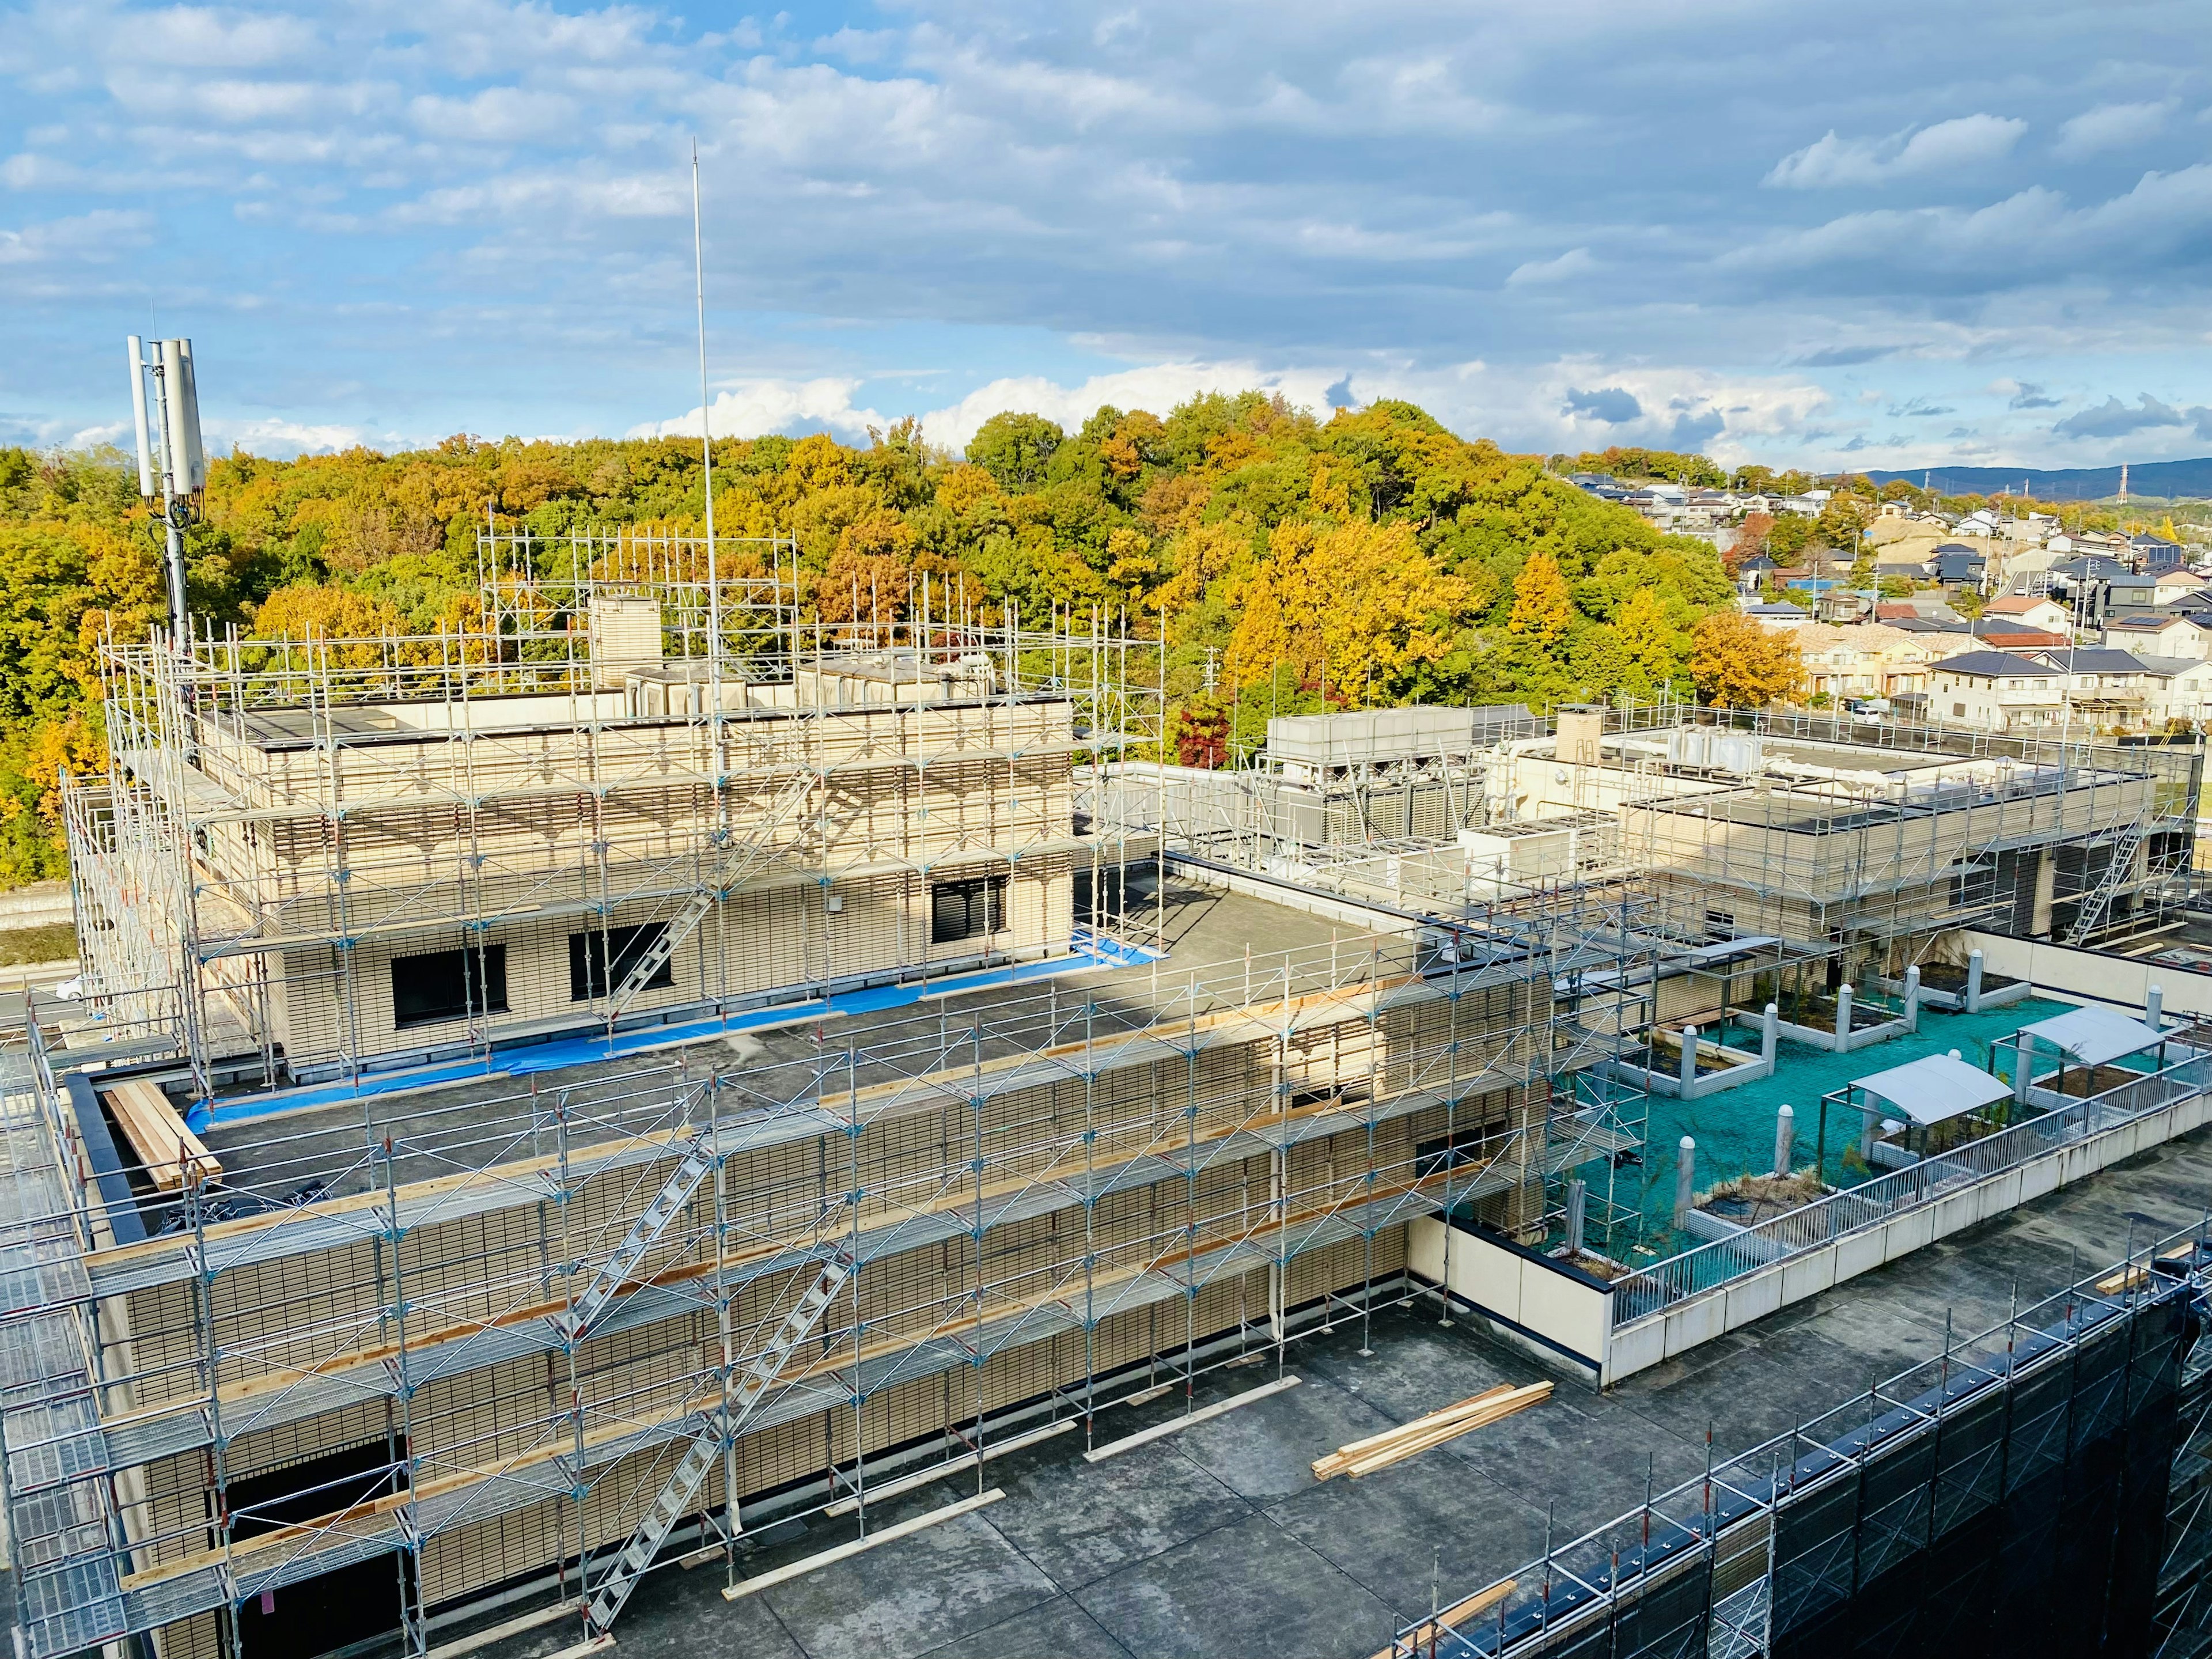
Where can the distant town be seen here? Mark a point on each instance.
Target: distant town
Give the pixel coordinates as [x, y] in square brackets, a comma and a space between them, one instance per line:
[1999, 616]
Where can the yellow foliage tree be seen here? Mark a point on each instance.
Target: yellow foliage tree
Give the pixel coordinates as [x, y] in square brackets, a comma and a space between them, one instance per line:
[1202, 557]
[1647, 637]
[353, 626]
[1355, 608]
[1738, 664]
[1543, 611]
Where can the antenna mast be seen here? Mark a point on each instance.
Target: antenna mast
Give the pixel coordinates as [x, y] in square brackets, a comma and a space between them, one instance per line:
[706, 440]
[173, 416]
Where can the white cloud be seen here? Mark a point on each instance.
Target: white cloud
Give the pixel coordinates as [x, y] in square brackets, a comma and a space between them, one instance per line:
[96, 238]
[275, 437]
[1575, 262]
[1678, 407]
[2110, 126]
[753, 408]
[1832, 162]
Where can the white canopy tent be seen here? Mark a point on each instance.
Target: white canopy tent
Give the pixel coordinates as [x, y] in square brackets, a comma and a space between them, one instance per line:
[2092, 1035]
[1934, 1088]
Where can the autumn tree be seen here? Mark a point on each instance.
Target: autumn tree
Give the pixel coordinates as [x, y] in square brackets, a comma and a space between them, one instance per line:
[1751, 539]
[1735, 663]
[1543, 610]
[1650, 643]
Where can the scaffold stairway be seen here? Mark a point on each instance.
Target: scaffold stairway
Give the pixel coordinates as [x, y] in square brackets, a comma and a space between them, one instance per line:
[722, 1426]
[698, 1158]
[2120, 870]
[734, 869]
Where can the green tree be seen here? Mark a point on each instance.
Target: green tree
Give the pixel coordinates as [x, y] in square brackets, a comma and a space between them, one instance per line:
[1016, 449]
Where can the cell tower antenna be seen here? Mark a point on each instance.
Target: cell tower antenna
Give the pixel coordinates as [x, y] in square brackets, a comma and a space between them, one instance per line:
[172, 464]
[2123, 481]
[706, 440]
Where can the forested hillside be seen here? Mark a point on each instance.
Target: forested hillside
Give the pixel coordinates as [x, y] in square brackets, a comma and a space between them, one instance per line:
[1371, 559]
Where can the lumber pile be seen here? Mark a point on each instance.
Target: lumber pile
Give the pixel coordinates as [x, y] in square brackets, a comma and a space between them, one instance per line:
[1379, 1451]
[1425, 1633]
[2128, 1279]
[167, 1149]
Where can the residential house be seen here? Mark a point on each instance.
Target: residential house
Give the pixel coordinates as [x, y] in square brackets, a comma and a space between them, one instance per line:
[2073, 542]
[2132, 596]
[2177, 688]
[2176, 584]
[2029, 610]
[2163, 634]
[1996, 691]
[2104, 686]
[1753, 573]
[1998, 634]
[1957, 566]
[1844, 605]
[2153, 554]
[1868, 659]
[1778, 616]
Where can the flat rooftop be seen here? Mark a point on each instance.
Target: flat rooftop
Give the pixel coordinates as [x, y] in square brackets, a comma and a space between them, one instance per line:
[1217, 1540]
[269, 1143]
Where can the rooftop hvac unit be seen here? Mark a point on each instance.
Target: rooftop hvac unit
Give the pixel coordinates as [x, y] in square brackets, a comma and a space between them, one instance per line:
[1708, 750]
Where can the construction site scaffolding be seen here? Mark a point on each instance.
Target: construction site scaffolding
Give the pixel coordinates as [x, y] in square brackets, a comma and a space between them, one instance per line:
[230, 753]
[654, 1307]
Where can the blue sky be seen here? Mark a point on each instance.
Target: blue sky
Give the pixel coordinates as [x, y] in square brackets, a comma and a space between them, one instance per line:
[1886, 236]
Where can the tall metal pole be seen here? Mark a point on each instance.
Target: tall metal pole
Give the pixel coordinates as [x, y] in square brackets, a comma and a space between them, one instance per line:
[705, 441]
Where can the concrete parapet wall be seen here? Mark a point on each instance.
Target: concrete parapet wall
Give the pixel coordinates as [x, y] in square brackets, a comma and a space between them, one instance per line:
[1674, 1330]
[1563, 1314]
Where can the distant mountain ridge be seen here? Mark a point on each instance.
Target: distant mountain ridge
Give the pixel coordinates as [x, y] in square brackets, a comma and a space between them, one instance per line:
[2172, 480]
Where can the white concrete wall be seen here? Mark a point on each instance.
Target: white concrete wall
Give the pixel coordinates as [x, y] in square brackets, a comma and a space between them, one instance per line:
[1660, 1336]
[2078, 976]
[1551, 1305]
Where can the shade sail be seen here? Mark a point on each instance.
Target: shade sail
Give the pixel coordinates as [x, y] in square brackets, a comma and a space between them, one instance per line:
[1934, 1088]
[2092, 1034]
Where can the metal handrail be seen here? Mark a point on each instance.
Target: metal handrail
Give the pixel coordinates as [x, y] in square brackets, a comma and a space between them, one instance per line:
[1651, 1290]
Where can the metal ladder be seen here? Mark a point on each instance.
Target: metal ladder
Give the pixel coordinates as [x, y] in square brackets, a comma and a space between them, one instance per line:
[2120, 870]
[740, 864]
[625, 1571]
[698, 1158]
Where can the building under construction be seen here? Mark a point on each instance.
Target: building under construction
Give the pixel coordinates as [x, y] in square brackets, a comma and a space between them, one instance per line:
[550, 1100]
[290, 1323]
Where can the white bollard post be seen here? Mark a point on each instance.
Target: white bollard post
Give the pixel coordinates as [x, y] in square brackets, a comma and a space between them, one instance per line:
[2155, 1007]
[1770, 1035]
[1689, 1061]
[1684, 1177]
[1577, 1205]
[1844, 1019]
[1973, 980]
[1785, 1133]
[1912, 998]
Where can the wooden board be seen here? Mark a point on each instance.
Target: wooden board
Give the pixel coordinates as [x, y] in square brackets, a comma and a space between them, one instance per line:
[158, 1135]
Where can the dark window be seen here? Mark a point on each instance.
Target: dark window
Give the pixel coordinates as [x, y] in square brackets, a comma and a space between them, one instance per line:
[336, 1608]
[967, 909]
[1448, 1152]
[599, 962]
[441, 985]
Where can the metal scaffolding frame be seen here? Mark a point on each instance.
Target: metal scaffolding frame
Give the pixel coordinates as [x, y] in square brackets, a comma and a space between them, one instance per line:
[276, 806]
[1701, 1568]
[554, 1303]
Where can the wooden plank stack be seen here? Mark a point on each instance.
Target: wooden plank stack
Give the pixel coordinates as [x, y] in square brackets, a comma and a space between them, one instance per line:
[1425, 1634]
[1379, 1451]
[167, 1149]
